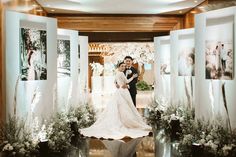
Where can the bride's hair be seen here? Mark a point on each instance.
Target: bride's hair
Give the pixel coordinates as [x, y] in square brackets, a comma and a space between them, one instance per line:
[119, 64]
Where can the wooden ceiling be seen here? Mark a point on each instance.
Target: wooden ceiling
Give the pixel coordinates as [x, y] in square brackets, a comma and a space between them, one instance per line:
[122, 36]
[120, 23]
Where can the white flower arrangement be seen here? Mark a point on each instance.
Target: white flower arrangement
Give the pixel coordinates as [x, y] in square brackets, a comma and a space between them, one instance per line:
[17, 138]
[109, 69]
[97, 68]
[57, 132]
[7, 147]
[214, 138]
[141, 52]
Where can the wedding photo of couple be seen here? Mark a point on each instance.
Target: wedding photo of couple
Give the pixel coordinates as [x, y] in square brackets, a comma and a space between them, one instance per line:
[120, 119]
[219, 60]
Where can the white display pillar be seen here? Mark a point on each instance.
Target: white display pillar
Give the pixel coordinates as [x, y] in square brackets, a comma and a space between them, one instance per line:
[83, 76]
[28, 95]
[162, 61]
[67, 84]
[182, 67]
[215, 27]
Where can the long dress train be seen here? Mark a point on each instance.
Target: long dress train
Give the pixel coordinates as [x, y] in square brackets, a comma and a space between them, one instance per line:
[120, 118]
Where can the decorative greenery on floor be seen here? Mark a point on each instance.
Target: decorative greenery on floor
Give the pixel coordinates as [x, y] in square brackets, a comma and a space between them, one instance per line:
[16, 139]
[57, 136]
[143, 86]
[194, 136]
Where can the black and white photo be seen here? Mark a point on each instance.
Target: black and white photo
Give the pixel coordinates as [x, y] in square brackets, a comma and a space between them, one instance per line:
[63, 59]
[33, 54]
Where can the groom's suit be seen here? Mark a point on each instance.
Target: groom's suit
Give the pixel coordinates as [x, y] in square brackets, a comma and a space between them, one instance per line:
[132, 85]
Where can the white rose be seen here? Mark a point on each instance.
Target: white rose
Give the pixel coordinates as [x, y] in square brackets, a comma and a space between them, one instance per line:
[27, 144]
[10, 148]
[202, 141]
[22, 150]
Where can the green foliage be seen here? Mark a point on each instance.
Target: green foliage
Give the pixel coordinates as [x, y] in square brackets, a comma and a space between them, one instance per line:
[84, 116]
[16, 138]
[59, 133]
[59, 128]
[143, 86]
[154, 115]
[213, 136]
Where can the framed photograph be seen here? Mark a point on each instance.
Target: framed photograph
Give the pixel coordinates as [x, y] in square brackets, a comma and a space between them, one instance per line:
[219, 53]
[33, 54]
[63, 59]
[186, 61]
[165, 59]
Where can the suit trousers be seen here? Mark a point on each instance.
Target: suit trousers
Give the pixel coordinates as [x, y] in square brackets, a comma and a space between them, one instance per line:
[133, 96]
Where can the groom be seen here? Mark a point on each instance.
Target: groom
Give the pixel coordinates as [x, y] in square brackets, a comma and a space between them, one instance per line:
[129, 72]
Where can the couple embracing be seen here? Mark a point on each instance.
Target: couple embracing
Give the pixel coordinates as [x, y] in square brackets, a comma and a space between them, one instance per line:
[120, 118]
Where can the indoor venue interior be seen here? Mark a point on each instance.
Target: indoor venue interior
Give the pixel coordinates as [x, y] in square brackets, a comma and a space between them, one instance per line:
[117, 78]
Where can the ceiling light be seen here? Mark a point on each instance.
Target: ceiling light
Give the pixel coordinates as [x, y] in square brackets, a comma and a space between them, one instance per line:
[195, 1]
[193, 12]
[34, 5]
[39, 10]
[180, 11]
[201, 7]
[52, 10]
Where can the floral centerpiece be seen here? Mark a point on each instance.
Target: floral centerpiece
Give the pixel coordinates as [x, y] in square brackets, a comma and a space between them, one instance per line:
[97, 68]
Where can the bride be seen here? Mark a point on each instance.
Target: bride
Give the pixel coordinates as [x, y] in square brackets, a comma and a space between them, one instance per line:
[120, 119]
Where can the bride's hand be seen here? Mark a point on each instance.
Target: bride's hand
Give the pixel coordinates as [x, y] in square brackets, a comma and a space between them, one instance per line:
[124, 86]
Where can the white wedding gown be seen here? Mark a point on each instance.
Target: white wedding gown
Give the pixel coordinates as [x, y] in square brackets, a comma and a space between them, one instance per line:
[120, 118]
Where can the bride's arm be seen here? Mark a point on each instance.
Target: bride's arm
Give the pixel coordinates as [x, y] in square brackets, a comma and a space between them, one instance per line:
[130, 79]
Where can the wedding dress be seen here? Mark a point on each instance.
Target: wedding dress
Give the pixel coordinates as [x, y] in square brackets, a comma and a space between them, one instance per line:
[120, 118]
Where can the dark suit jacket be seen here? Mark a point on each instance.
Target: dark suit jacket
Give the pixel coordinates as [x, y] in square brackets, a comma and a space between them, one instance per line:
[132, 84]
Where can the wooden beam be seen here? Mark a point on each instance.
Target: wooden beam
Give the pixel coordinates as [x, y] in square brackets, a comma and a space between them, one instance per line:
[119, 23]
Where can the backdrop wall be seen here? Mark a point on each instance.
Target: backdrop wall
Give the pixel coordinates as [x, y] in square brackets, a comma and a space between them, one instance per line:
[30, 64]
[212, 30]
[83, 64]
[182, 67]
[67, 84]
[162, 67]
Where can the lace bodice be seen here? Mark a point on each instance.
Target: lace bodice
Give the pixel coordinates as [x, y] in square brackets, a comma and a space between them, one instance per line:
[121, 80]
